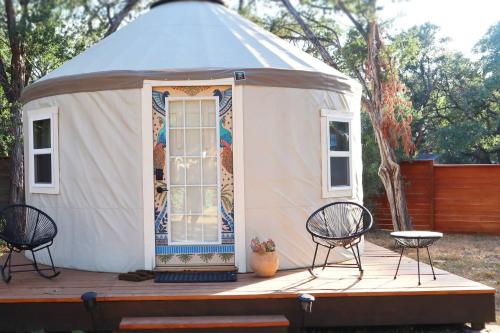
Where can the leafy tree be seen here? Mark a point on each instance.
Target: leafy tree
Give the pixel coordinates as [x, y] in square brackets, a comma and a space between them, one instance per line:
[37, 36]
[455, 98]
[384, 98]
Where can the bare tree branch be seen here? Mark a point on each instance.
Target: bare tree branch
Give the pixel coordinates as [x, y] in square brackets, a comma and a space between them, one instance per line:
[356, 23]
[310, 34]
[118, 18]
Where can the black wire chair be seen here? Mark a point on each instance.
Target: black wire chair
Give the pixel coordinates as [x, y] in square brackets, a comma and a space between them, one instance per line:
[26, 228]
[339, 224]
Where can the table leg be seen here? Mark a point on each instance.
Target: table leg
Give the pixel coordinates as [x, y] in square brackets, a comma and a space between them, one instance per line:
[430, 260]
[418, 260]
[401, 256]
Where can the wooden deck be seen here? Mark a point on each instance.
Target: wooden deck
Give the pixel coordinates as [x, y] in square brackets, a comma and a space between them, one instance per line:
[342, 299]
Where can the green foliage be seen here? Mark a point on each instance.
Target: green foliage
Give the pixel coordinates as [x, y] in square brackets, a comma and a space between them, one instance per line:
[50, 32]
[371, 159]
[457, 117]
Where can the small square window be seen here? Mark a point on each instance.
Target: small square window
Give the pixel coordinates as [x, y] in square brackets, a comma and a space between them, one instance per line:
[337, 154]
[43, 151]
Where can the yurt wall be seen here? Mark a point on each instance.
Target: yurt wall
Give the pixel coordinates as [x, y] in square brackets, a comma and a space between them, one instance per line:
[99, 208]
[283, 165]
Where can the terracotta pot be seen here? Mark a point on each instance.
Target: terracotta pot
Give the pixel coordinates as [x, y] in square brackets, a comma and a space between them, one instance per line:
[264, 264]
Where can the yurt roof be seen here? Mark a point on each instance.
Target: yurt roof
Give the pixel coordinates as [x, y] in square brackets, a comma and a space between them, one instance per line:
[181, 40]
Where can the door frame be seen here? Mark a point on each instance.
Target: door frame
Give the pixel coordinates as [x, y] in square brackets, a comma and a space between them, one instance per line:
[147, 167]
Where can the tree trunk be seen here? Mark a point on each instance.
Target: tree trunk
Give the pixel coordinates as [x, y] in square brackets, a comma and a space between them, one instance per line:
[389, 170]
[390, 174]
[17, 158]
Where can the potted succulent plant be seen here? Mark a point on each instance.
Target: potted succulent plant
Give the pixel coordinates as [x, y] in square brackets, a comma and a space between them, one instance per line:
[264, 259]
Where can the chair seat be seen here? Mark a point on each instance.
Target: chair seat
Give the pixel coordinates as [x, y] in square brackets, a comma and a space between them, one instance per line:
[23, 244]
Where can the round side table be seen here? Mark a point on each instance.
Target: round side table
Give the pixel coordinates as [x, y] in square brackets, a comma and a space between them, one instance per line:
[416, 240]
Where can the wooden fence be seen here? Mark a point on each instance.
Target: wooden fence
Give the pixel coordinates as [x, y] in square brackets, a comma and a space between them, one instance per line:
[448, 198]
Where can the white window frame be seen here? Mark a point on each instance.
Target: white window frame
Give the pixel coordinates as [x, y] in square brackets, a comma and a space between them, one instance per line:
[50, 113]
[328, 191]
[167, 156]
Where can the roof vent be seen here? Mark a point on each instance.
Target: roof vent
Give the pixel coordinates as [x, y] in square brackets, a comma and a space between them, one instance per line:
[162, 2]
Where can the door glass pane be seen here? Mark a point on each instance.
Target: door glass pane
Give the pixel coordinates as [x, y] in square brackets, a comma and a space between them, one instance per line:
[176, 114]
[193, 200]
[339, 136]
[192, 113]
[41, 134]
[177, 199]
[208, 113]
[193, 166]
[195, 229]
[210, 200]
[210, 229]
[210, 171]
[176, 142]
[178, 228]
[43, 169]
[209, 142]
[339, 171]
[177, 169]
[193, 143]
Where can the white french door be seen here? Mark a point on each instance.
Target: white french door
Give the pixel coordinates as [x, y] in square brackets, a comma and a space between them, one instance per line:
[193, 171]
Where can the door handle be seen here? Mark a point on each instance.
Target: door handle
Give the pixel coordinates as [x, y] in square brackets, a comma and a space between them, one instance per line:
[161, 189]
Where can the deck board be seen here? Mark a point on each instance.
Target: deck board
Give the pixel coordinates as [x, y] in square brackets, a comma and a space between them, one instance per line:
[379, 265]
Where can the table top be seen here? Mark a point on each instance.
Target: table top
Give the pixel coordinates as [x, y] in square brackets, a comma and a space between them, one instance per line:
[416, 234]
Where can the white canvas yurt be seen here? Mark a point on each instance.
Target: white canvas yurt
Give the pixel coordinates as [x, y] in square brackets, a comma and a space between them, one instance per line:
[182, 136]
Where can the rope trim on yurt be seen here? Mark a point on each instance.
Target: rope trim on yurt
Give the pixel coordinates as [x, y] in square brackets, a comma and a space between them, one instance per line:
[114, 80]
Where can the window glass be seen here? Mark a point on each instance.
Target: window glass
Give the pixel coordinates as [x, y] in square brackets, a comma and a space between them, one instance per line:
[209, 145]
[195, 229]
[339, 136]
[208, 113]
[339, 171]
[193, 168]
[193, 200]
[43, 169]
[193, 114]
[176, 114]
[41, 134]
[177, 170]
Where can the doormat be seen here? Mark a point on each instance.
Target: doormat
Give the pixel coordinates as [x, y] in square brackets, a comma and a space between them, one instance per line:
[193, 277]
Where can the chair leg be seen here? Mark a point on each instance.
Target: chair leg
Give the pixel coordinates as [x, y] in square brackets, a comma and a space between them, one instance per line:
[357, 257]
[40, 271]
[314, 261]
[399, 263]
[430, 260]
[326, 259]
[5, 266]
